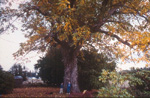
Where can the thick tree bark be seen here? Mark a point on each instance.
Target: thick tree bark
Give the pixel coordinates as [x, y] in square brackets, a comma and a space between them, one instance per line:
[70, 72]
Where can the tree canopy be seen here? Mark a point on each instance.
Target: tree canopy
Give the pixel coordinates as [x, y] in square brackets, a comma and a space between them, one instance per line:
[73, 23]
[116, 27]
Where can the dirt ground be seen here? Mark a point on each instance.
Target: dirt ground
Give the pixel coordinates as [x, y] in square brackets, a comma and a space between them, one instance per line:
[35, 92]
[43, 92]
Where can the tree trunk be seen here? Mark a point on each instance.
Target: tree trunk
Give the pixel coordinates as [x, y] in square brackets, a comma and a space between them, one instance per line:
[70, 72]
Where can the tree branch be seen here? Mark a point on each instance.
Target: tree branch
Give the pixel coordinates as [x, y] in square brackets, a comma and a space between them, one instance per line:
[110, 12]
[37, 9]
[138, 13]
[117, 37]
[9, 24]
[72, 2]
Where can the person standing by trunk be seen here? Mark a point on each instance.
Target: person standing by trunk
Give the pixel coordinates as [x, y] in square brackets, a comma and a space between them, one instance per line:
[61, 88]
[68, 88]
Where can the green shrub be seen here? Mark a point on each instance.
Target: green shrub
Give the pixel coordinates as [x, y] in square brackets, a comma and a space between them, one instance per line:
[6, 82]
[112, 89]
[140, 82]
[144, 76]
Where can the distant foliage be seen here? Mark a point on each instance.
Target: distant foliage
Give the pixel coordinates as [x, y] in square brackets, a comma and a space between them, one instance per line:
[18, 70]
[6, 82]
[112, 90]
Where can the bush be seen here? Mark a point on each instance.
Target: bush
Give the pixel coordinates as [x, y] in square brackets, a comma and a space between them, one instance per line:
[6, 82]
[140, 83]
[112, 89]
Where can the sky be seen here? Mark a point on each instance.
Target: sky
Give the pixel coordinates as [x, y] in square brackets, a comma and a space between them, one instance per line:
[9, 44]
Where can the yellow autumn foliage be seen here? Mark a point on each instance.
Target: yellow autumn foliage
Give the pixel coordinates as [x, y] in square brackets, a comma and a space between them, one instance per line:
[107, 24]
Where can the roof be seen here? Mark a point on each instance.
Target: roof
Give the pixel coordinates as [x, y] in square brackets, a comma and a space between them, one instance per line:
[18, 77]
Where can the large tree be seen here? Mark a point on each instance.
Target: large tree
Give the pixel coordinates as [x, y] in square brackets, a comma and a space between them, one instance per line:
[70, 24]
